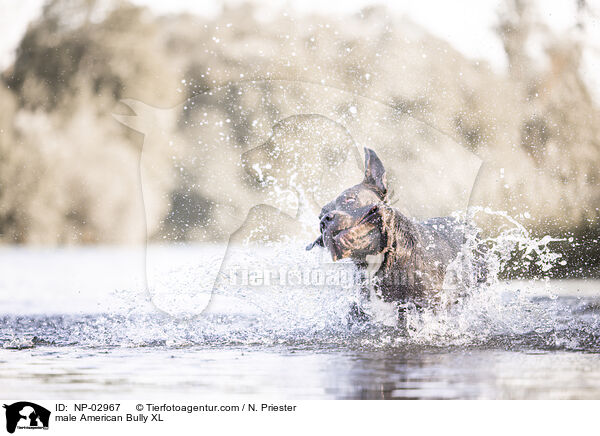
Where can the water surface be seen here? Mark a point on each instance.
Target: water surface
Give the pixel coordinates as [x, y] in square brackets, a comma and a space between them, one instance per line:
[77, 323]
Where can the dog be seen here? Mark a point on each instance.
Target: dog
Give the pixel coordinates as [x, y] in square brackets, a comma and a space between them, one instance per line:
[412, 257]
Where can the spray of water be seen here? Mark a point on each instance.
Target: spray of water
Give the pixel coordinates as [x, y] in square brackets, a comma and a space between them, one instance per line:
[280, 293]
[491, 308]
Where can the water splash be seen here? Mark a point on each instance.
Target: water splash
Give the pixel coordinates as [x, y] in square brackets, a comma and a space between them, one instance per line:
[490, 308]
[282, 295]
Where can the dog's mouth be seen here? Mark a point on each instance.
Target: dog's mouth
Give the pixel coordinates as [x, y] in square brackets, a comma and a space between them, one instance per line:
[351, 241]
[335, 242]
[339, 231]
[337, 247]
[356, 241]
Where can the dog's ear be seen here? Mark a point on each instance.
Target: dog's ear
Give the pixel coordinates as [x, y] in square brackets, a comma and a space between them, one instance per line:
[318, 241]
[375, 173]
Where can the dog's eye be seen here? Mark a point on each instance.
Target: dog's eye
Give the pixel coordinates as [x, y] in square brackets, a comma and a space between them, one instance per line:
[350, 200]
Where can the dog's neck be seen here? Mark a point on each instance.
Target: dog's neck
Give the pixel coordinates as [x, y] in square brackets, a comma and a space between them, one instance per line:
[396, 264]
[399, 241]
[400, 237]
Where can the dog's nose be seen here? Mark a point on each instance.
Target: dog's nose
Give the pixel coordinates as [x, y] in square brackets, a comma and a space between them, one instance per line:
[326, 220]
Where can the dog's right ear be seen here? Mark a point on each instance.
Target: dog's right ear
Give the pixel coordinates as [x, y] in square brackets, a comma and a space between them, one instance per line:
[375, 173]
[318, 241]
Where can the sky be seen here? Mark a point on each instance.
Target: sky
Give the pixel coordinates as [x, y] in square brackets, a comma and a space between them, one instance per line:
[466, 24]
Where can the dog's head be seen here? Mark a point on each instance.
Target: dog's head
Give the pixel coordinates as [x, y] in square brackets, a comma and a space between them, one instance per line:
[352, 224]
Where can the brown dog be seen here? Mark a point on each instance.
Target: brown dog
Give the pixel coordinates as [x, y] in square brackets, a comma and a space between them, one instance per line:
[413, 255]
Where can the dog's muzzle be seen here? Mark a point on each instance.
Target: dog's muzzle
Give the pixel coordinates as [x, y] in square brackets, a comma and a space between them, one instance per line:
[334, 228]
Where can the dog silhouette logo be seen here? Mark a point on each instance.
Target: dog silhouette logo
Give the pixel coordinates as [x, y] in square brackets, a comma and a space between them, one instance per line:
[26, 415]
[253, 163]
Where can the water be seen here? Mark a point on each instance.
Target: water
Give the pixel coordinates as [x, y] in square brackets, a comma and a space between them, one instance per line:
[77, 323]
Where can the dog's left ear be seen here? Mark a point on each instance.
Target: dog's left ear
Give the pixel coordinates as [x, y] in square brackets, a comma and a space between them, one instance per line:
[375, 173]
[318, 241]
